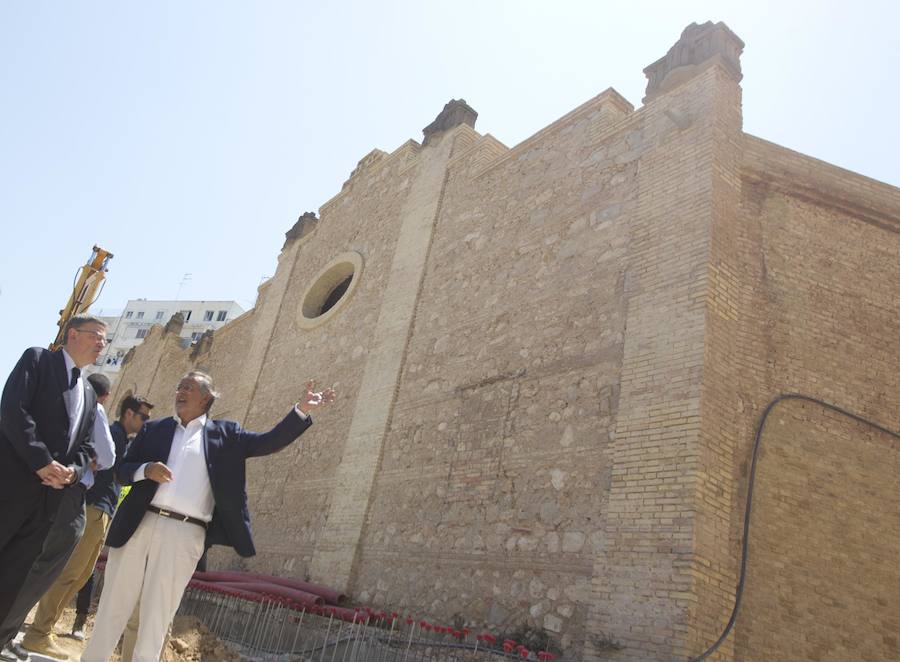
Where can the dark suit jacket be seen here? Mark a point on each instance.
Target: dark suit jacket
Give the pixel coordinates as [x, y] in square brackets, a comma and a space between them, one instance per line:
[104, 493]
[227, 447]
[34, 423]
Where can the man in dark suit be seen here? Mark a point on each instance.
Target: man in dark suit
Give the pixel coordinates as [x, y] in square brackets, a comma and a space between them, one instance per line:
[46, 420]
[63, 536]
[188, 477]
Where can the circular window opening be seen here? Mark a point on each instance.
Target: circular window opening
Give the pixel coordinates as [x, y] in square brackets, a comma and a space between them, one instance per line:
[335, 295]
[330, 290]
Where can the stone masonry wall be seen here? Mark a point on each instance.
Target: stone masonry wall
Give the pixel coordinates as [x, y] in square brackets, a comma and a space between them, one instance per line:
[293, 491]
[550, 372]
[490, 498]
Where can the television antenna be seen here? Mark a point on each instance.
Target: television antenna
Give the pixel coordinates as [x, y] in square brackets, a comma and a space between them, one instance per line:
[184, 279]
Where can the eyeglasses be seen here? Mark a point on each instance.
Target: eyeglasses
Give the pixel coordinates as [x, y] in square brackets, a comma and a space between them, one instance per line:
[144, 417]
[97, 335]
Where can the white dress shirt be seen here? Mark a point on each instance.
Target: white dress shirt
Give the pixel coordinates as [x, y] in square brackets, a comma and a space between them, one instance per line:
[74, 398]
[104, 446]
[189, 492]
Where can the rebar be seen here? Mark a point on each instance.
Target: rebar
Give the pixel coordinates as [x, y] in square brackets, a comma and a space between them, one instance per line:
[297, 632]
[327, 632]
[259, 625]
[257, 606]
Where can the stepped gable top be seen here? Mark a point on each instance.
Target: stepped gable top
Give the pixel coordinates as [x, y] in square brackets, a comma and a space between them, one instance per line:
[175, 324]
[455, 112]
[698, 44]
[304, 225]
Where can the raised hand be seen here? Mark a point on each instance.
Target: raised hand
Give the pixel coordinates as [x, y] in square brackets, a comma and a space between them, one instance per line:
[313, 399]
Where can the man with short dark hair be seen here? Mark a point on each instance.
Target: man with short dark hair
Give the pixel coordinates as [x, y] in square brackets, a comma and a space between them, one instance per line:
[189, 492]
[101, 501]
[47, 414]
[62, 537]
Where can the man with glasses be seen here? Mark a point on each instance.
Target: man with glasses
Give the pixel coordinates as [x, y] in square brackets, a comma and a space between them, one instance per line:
[63, 536]
[101, 501]
[188, 476]
[47, 414]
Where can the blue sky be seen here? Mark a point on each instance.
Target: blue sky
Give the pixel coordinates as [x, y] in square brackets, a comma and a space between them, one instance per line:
[188, 136]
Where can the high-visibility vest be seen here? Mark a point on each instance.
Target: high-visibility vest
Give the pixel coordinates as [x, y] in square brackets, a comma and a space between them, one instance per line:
[122, 493]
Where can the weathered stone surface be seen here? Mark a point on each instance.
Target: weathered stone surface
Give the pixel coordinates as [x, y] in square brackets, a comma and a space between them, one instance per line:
[699, 45]
[304, 225]
[455, 113]
[550, 375]
[175, 324]
[553, 623]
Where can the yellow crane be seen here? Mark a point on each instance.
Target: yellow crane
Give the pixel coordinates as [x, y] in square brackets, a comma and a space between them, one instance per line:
[85, 290]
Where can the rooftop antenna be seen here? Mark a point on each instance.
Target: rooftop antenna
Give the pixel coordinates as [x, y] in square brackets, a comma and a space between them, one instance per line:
[184, 279]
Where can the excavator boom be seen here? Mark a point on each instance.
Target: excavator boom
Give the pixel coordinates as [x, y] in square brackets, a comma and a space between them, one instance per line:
[85, 290]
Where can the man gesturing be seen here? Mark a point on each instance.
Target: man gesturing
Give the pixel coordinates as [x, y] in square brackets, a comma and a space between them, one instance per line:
[188, 493]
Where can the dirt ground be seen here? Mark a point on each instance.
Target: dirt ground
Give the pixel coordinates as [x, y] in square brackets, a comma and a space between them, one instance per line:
[190, 641]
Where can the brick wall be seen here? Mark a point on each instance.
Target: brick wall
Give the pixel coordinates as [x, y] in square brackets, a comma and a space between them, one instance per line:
[549, 377]
[823, 567]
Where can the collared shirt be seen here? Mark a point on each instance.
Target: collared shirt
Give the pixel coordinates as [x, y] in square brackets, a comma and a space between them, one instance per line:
[74, 398]
[104, 446]
[189, 492]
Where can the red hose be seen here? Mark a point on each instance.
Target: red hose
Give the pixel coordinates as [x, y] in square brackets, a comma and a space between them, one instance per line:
[275, 589]
[330, 595]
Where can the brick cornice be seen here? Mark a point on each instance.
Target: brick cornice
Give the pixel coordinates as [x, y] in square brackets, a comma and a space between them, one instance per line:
[822, 184]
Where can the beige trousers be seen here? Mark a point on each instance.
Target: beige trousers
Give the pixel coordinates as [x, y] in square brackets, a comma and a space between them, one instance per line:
[129, 638]
[73, 576]
[154, 566]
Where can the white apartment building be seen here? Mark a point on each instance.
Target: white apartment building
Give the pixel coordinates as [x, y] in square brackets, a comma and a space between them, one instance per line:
[132, 326]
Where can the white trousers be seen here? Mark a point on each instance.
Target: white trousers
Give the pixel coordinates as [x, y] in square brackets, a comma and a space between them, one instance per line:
[155, 566]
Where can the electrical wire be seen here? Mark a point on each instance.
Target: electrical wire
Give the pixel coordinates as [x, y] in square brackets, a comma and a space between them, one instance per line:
[748, 509]
[102, 285]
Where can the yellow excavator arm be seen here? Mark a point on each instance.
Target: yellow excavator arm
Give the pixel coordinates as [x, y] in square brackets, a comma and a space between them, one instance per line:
[85, 290]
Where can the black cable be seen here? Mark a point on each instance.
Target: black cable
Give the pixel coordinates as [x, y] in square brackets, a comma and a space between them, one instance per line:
[748, 509]
[75, 280]
[102, 285]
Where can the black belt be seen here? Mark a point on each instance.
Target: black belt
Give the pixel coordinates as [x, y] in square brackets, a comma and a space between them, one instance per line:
[171, 514]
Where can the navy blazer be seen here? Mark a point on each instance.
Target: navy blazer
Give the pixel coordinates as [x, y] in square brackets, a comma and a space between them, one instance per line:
[227, 447]
[34, 423]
